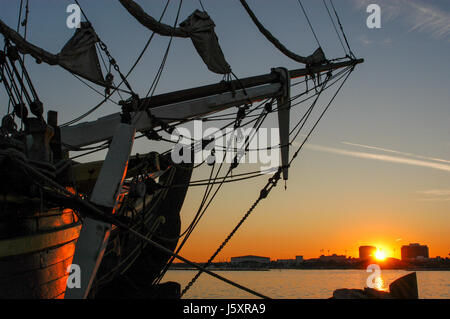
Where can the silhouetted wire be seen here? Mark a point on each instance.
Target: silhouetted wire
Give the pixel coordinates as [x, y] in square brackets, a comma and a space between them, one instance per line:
[342, 30]
[334, 26]
[155, 82]
[320, 117]
[340, 74]
[199, 214]
[309, 22]
[201, 5]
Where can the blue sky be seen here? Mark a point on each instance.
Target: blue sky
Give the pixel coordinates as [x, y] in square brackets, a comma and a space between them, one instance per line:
[396, 104]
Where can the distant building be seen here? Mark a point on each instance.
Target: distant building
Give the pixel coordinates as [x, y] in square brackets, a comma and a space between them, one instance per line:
[286, 261]
[414, 251]
[299, 259]
[333, 257]
[367, 252]
[250, 259]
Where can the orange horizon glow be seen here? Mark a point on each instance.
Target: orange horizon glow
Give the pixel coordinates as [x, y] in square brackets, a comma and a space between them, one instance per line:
[299, 222]
[252, 243]
[382, 254]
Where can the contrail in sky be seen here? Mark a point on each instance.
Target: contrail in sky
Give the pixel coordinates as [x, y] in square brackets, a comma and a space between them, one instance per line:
[397, 152]
[436, 192]
[418, 15]
[381, 157]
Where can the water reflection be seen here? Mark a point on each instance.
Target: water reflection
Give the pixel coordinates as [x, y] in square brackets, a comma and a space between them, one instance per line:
[310, 284]
[380, 284]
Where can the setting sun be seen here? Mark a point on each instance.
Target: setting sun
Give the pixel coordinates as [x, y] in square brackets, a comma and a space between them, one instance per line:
[380, 255]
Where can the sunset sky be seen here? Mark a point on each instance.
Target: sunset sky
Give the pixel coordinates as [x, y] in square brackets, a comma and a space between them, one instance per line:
[375, 172]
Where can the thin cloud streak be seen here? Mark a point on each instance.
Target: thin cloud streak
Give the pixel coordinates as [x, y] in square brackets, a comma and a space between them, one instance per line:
[397, 152]
[381, 157]
[434, 199]
[417, 15]
[435, 195]
[436, 192]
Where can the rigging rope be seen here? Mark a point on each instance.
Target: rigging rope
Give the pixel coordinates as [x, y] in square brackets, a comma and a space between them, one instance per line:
[163, 62]
[201, 5]
[20, 15]
[247, 115]
[255, 174]
[320, 117]
[334, 26]
[200, 215]
[275, 41]
[127, 75]
[25, 24]
[311, 108]
[342, 30]
[309, 22]
[263, 194]
[94, 89]
[257, 126]
[11, 99]
[104, 48]
[113, 220]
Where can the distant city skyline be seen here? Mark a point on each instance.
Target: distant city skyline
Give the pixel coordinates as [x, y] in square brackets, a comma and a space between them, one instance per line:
[330, 254]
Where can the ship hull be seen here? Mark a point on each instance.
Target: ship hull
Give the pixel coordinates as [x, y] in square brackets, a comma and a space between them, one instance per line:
[37, 247]
[33, 264]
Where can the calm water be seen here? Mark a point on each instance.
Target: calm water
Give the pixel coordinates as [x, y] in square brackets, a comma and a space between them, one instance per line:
[293, 283]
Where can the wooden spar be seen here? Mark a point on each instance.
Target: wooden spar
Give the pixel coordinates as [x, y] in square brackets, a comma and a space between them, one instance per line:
[103, 128]
[195, 102]
[186, 104]
[222, 87]
[94, 234]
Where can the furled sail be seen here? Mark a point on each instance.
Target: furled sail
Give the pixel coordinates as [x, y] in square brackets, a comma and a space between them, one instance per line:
[78, 56]
[318, 57]
[198, 26]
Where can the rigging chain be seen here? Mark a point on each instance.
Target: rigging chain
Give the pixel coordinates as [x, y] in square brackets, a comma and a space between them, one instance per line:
[201, 211]
[113, 220]
[128, 74]
[272, 182]
[104, 48]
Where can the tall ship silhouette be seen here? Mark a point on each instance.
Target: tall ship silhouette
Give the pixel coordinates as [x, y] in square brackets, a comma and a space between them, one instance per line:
[117, 220]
